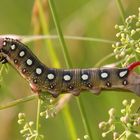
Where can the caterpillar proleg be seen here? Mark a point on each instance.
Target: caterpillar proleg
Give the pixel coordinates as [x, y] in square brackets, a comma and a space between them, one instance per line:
[57, 81]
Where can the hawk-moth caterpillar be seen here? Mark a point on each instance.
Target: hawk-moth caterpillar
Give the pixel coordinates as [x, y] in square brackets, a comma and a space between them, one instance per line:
[56, 81]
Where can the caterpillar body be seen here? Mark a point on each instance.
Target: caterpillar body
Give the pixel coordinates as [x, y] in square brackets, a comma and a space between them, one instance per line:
[56, 81]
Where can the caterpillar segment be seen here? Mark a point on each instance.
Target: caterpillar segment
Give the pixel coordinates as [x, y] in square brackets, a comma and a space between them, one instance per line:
[57, 81]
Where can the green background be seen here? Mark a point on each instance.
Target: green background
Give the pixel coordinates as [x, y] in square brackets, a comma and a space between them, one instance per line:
[87, 18]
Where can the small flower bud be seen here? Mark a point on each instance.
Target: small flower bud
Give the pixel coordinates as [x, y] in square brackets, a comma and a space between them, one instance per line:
[125, 102]
[123, 111]
[86, 137]
[23, 131]
[121, 27]
[126, 119]
[21, 115]
[137, 135]
[138, 24]
[133, 101]
[135, 123]
[122, 119]
[118, 34]
[133, 32]
[103, 135]
[111, 112]
[115, 135]
[102, 125]
[31, 123]
[110, 121]
[116, 26]
[129, 125]
[21, 121]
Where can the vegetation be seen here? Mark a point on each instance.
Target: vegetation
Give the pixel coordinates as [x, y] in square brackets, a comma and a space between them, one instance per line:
[63, 34]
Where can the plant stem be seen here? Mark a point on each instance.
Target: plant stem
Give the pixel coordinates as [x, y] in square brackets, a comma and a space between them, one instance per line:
[60, 34]
[29, 38]
[121, 9]
[19, 101]
[68, 64]
[38, 115]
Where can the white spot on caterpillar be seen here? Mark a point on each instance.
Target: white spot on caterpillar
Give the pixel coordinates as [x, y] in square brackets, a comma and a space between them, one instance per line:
[123, 73]
[50, 76]
[125, 82]
[4, 43]
[104, 75]
[13, 47]
[84, 77]
[38, 71]
[22, 53]
[29, 62]
[67, 77]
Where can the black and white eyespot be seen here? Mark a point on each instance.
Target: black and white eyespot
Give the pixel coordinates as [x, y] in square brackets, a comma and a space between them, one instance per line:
[104, 74]
[29, 62]
[84, 77]
[22, 53]
[67, 77]
[13, 47]
[123, 73]
[50, 76]
[38, 71]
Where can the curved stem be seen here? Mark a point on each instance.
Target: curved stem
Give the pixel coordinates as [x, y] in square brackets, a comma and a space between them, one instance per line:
[19, 101]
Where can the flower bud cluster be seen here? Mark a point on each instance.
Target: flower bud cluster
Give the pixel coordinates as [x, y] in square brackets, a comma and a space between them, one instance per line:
[27, 130]
[48, 107]
[127, 120]
[129, 41]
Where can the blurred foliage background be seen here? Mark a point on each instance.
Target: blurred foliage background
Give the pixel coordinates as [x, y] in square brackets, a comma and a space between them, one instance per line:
[86, 18]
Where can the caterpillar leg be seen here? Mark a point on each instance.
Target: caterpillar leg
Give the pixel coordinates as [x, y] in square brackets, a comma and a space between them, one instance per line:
[96, 91]
[3, 60]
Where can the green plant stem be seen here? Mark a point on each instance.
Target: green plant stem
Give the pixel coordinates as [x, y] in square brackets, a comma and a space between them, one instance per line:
[38, 115]
[69, 64]
[60, 34]
[30, 38]
[19, 101]
[121, 9]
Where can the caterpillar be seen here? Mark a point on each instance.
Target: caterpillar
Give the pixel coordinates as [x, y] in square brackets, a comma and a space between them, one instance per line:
[56, 81]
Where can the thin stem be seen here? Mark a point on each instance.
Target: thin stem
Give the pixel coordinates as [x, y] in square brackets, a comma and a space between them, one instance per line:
[104, 59]
[38, 115]
[121, 9]
[60, 34]
[69, 65]
[29, 38]
[19, 101]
